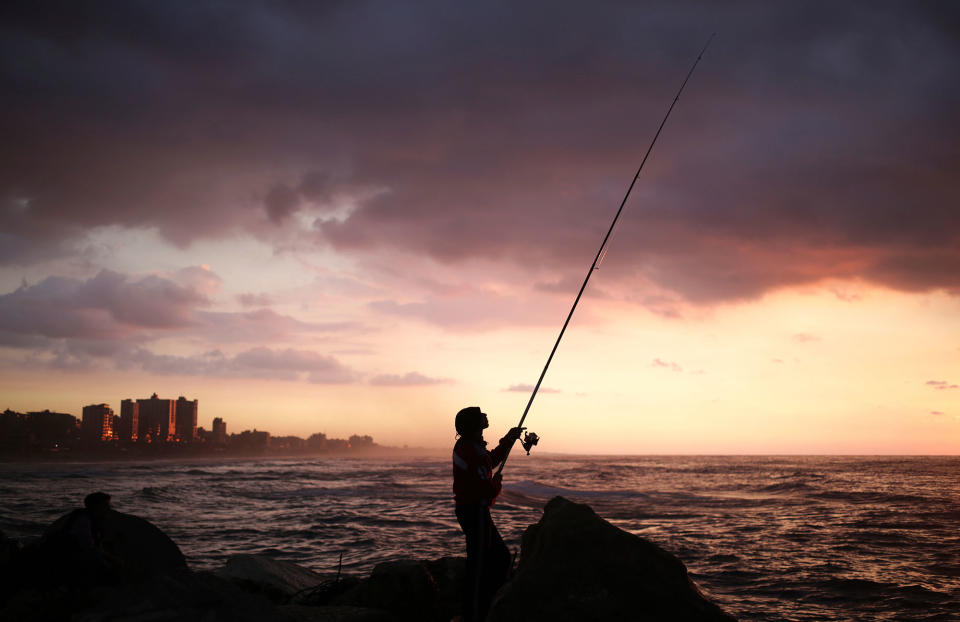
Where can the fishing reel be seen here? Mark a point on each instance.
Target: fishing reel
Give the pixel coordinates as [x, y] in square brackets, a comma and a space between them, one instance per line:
[530, 439]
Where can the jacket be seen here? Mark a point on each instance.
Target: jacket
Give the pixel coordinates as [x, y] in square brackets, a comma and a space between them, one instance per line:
[473, 465]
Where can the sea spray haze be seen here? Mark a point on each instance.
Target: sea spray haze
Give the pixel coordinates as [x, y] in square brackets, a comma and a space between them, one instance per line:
[769, 538]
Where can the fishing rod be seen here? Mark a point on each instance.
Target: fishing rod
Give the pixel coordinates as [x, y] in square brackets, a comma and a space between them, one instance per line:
[530, 439]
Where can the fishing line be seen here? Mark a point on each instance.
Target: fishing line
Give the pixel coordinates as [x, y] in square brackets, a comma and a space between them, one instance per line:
[531, 439]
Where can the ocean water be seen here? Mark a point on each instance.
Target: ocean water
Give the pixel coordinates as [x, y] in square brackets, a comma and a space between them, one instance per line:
[769, 538]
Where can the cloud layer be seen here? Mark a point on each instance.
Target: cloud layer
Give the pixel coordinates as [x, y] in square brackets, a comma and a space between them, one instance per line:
[816, 141]
[113, 320]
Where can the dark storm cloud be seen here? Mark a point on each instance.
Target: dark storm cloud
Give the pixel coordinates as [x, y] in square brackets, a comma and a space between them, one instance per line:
[817, 139]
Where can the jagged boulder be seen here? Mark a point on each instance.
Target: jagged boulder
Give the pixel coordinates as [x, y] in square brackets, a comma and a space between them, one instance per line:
[277, 579]
[576, 566]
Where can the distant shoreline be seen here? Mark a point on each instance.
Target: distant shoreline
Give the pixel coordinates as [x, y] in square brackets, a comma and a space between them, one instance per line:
[187, 455]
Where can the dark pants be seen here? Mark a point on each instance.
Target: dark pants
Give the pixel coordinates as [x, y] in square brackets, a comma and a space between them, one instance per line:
[488, 560]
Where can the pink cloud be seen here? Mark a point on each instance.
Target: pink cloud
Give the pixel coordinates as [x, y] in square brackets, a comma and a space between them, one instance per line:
[657, 362]
[260, 362]
[528, 388]
[112, 315]
[410, 379]
[474, 309]
[254, 300]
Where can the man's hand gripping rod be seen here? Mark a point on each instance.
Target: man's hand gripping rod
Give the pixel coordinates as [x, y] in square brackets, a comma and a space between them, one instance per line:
[531, 439]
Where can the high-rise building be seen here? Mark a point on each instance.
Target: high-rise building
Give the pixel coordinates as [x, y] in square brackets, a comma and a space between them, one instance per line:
[187, 419]
[97, 423]
[158, 420]
[219, 432]
[129, 428]
[44, 429]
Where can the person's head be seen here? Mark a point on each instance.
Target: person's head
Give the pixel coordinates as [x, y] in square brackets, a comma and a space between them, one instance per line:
[471, 422]
[97, 503]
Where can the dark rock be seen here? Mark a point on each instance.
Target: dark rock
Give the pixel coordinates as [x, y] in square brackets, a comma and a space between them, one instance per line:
[144, 550]
[8, 549]
[405, 588]
[39, 605]
[448, 574]
[576, 566]
[327, 592]
[410, 590]
[9, 552]
[130, 549]
[277, 579]
[300, 613]
[176, 596]
[180, 596]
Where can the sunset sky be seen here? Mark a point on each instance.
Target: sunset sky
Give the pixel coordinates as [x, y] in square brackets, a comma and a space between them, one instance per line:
[360, 217]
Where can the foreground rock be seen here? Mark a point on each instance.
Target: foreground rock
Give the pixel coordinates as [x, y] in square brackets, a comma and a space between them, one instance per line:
[411, 590]
[132, 549]
[176, 596]
[576, 566]
[302, 613]
[144, 549]
[278, 580]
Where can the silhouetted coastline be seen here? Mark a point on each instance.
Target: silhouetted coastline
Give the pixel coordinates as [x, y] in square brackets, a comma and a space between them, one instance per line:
[42, 436]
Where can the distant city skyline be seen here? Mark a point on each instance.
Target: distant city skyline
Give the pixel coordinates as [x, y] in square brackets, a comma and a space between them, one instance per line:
[101, 433]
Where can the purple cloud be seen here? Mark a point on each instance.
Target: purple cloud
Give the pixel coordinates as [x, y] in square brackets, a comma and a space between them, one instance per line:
[70, 316]
[259, 325]
[473, 309]
[108, 306]
[261, 362]
[941, 385]
[254, 300]
[121, 116]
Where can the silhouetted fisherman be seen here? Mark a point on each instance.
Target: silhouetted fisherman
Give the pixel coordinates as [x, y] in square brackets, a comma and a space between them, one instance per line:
[475, 487]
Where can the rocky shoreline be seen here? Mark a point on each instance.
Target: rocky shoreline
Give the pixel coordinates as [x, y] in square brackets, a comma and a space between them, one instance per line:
[573, 565]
